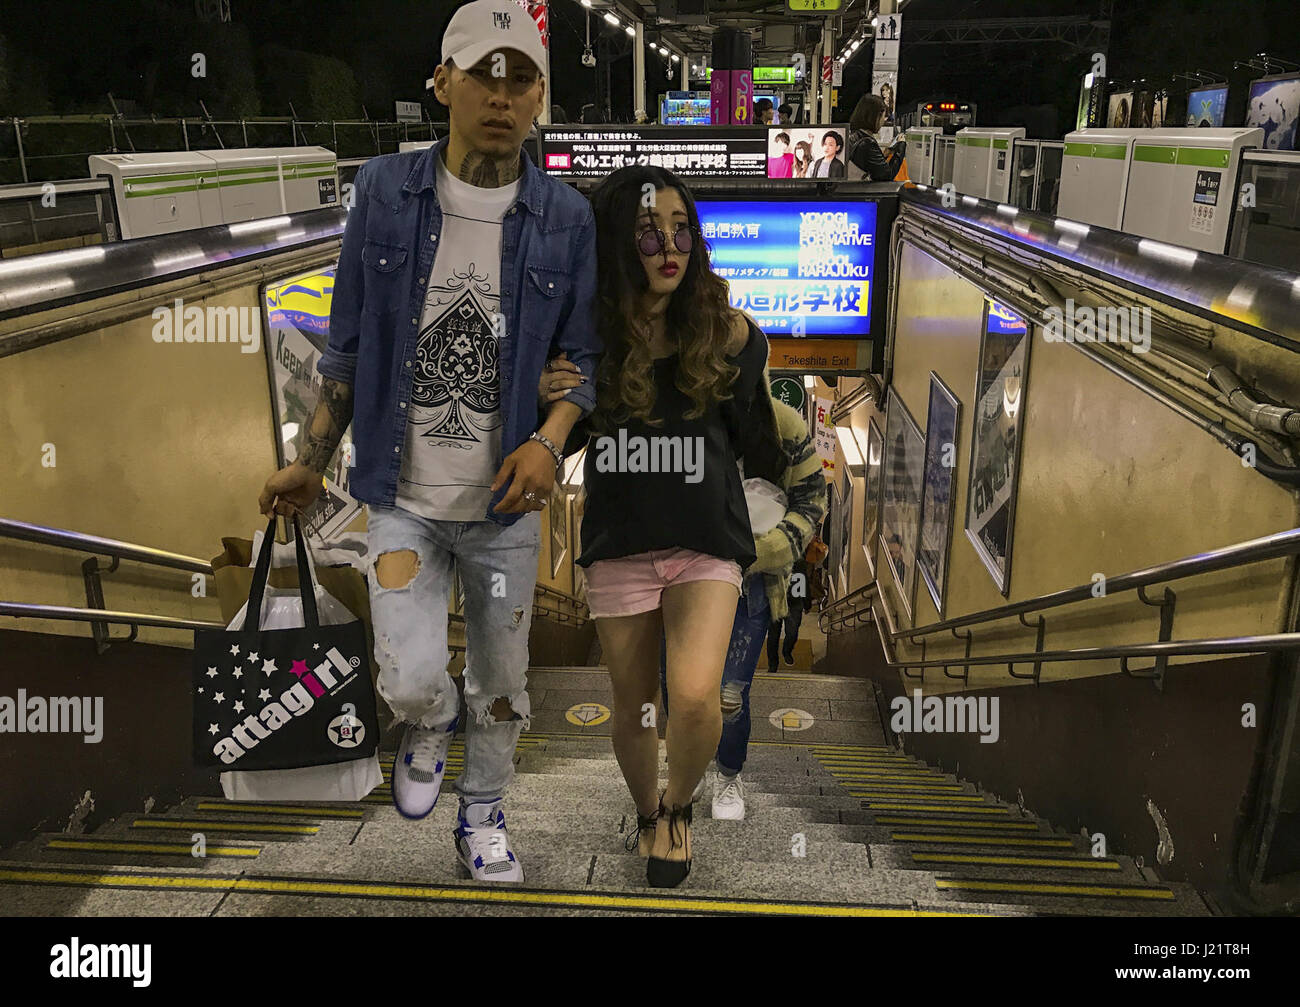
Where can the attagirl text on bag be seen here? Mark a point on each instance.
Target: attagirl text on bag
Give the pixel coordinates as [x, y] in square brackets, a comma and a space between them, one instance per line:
[282, 698]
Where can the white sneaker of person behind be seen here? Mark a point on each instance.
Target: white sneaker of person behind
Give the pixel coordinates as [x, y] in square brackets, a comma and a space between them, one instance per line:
[484, 845]
[419, 767]
[729, 798]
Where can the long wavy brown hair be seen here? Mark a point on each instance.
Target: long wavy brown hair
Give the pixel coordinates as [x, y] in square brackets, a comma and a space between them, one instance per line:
[698, 313]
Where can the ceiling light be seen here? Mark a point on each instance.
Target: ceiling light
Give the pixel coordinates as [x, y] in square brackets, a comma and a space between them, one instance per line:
[629, 29]
[586, 3]
[676, 58]
[611, 18]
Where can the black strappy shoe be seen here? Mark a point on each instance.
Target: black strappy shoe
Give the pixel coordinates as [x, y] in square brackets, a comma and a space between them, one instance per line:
[643, 823]
[662, 873]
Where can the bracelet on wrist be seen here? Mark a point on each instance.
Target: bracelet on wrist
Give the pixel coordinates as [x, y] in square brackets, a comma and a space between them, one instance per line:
[547, 443]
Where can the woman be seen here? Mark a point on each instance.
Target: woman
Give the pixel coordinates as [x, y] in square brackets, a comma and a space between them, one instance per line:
[802, 159]
[780, 165]
[779, 544]
[665, 533]
[864, 151]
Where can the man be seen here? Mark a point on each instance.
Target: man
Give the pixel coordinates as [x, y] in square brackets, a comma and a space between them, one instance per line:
[785, 114]
[463, 267]
[763, 112]
[827, 166]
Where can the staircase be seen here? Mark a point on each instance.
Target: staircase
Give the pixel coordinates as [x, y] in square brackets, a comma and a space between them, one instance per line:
[830, 830]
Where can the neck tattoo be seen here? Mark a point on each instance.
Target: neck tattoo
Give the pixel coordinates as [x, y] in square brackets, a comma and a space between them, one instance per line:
[487, 172]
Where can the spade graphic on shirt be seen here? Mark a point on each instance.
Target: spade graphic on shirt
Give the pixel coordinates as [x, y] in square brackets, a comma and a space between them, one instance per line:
[456, 375]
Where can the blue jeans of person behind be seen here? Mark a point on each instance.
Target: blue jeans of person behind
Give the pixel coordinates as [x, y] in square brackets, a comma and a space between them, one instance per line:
[748, 632]
[498, 570]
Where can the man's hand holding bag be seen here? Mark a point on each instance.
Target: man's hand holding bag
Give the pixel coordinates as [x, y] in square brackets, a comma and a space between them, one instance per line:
[282, 698]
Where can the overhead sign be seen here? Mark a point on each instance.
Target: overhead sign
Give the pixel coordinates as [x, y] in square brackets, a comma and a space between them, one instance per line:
[800, 268]
[408, 111]
[818, 355]
[812, 6]
[774, 75]
[696, 151]
[889, 31]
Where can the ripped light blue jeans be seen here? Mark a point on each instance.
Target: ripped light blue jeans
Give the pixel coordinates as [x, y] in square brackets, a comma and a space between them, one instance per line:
[498, 571]
[748, 632]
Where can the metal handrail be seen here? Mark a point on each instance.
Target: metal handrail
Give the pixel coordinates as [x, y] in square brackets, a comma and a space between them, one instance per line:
[825, 616]
[41, 535]
[68, 614]
[1257, 550]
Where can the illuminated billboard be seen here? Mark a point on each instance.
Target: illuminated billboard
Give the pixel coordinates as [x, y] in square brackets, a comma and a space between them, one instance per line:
[799, 268]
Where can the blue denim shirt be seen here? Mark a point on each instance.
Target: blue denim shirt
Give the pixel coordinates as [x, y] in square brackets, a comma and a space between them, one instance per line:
[548, 287]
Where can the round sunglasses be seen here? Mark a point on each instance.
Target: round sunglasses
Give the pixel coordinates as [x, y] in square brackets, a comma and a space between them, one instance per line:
[652, 241]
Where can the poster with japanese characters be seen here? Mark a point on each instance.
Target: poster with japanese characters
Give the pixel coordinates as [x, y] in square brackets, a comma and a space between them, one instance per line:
[693, 151]
[800, 269]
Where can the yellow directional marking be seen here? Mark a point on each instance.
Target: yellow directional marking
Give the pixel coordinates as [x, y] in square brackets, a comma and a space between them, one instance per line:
[433, 893]
[587, 714]
[1035, 888]
[889, 794]
[304, 811]
[937, 823]
[1070, 863]
[886, 787]
[180, 849]
[995, 839]
[209, 825]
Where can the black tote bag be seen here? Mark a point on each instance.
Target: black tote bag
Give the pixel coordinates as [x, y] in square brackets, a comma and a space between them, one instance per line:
[282, 698]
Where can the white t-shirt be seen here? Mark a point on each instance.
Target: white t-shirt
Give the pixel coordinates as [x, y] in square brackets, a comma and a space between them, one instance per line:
[453, 431]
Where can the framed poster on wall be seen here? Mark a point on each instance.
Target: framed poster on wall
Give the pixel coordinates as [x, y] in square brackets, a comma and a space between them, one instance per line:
[559, 520]
[995, 444]
[941, 438]
[846, 531]
[296, 316]
[900, 505]
[875, 458]
[835, 547]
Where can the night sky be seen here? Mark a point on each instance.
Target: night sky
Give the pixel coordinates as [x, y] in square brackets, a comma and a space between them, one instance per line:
[331, 58]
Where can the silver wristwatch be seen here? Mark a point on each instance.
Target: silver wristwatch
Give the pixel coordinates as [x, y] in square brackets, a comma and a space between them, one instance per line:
[546, 442]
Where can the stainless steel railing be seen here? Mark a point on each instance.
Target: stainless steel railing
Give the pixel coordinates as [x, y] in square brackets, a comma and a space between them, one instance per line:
[837, 616]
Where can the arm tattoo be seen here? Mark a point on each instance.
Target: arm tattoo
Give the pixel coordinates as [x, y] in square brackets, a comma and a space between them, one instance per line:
[487, 172]
[331, 419]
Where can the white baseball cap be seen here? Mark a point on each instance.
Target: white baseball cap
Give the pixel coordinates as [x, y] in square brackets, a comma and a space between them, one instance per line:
[486, 26]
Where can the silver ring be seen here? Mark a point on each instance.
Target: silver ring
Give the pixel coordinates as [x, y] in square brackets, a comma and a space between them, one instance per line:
[530, 496]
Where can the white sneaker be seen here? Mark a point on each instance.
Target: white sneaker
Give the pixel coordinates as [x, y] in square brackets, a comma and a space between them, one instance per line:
[484, 845]
[419, 767]
[729, 798]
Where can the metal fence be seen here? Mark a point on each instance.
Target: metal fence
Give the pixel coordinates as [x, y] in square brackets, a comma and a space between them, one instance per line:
[49, 148]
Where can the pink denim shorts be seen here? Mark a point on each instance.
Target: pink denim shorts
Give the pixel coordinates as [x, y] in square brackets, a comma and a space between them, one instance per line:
[631, 585]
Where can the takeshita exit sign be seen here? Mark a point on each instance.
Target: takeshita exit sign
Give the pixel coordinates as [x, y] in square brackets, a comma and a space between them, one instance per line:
[812, 6]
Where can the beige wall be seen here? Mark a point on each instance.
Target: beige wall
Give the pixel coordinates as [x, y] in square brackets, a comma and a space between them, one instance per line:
[1110, 481]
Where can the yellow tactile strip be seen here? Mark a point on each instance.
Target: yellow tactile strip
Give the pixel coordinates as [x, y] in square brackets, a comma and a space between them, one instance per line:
[150, 849]
[494, 896]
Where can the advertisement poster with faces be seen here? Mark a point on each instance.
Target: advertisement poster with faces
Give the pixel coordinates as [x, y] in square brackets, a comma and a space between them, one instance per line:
[801, 269]
[806, 151]
[900, 510]
[297, 327]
